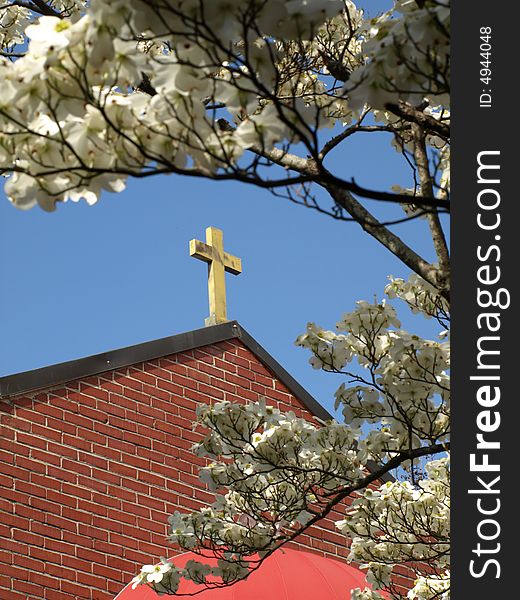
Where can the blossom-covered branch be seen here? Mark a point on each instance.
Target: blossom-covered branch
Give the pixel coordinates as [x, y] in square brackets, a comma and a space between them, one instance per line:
[96, 92]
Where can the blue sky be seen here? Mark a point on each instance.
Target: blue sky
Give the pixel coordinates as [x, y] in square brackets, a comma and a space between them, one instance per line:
[83, 280]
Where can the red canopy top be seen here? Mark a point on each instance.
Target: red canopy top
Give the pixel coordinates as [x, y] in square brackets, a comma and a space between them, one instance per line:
[285, 575]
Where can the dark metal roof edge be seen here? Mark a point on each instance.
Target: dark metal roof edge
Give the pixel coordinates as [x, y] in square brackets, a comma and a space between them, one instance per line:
[53, 375]
[286, 378]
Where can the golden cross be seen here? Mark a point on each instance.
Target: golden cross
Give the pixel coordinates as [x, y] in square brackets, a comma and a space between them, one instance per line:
[219, 262]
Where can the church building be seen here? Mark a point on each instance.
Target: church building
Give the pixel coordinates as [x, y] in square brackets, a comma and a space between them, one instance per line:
[95, 455]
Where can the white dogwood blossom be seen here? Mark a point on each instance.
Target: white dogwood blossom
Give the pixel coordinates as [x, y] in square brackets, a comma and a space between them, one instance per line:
[420, 296]
[392, 71]
[136, 88]
[403, 384]
[404, 524]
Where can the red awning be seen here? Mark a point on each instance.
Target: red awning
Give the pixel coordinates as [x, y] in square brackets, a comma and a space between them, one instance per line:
[285, 575]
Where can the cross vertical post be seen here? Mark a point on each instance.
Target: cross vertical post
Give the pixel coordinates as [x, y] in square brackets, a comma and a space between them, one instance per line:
[219, 262]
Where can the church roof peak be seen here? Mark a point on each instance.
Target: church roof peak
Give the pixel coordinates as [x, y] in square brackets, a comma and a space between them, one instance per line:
[53, 375]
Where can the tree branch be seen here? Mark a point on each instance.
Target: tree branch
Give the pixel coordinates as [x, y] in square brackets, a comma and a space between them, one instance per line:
[383, 235]
[5, 54]
[343, 197]
[38, 6]
[409, 113]
[146, 86]
[361, 484]
[320, 175]
[333, 142]
[439, 240]
[45, 9]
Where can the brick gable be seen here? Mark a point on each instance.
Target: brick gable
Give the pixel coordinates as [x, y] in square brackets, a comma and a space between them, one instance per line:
[90, 469]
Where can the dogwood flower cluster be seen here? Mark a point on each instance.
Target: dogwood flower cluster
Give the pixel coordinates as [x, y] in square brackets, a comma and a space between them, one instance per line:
[404, 524]
[421, 297]
[165, 577]
[272, 472]
[403, 383]
[109, 89]
[391, 70]
[275, 474]
[13, 21]
[15, 17]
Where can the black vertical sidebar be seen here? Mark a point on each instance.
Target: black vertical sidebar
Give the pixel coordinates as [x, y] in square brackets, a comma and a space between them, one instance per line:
[486, 255]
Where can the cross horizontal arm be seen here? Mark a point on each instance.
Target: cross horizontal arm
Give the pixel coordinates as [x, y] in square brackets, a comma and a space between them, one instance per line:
[232, 264]
[201, 250]
[205, 252]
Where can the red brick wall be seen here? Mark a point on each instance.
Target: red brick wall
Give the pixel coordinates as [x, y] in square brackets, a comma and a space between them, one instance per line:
[90, 471]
